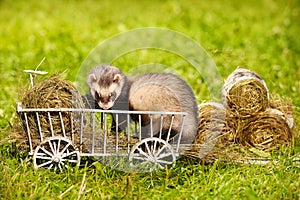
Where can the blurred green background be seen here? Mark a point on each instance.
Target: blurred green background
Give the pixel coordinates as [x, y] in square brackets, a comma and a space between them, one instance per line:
[261, 36]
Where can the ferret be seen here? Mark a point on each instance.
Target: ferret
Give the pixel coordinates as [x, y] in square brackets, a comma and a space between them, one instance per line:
[109, 87]
[162, 92]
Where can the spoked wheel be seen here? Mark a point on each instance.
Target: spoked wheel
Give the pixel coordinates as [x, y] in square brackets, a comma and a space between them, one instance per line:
[151, 154]
[56, 153]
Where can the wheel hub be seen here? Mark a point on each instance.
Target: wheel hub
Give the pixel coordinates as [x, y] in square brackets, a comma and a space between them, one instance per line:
[55, 153]
[56, 158]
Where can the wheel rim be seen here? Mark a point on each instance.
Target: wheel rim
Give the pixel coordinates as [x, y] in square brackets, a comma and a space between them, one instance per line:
[151, 154]
[56, 153]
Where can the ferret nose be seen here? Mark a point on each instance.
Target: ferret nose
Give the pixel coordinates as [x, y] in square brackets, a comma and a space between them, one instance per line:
[105, 107]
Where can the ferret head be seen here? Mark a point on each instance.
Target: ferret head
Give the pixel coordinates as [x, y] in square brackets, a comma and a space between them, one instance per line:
[105, 83]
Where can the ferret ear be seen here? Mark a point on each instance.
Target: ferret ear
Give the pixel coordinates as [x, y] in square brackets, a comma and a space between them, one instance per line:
[117, 78]
[91, 78]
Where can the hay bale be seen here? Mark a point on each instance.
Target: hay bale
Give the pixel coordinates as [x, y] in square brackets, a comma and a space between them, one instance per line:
[245, 93]
[267, 130]
[211, 117]
[52, 93]
[216, 136]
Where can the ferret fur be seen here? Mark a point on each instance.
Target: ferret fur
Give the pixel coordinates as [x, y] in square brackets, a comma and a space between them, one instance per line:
[162, 92]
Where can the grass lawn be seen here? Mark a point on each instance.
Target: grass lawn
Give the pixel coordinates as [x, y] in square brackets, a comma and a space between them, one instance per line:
[259, 35]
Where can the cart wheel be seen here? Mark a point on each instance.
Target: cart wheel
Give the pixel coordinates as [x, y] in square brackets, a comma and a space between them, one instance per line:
[151, 154]
[55, 153]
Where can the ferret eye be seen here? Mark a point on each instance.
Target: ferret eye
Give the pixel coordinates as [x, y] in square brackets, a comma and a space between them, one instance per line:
[97, 96]
[112, 95]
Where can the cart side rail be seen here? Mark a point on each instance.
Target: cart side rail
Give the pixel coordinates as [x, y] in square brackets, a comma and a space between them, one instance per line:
[97, 140]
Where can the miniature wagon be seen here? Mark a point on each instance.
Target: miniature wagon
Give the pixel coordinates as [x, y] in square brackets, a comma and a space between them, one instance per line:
[57, 143]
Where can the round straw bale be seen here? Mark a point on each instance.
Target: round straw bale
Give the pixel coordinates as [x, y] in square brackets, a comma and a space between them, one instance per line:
[245, 93]
[215, 122]
[52, 93]
[211, 117]
[265, 131]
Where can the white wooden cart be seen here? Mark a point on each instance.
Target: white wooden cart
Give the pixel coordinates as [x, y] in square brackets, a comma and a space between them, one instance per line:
[89, 135]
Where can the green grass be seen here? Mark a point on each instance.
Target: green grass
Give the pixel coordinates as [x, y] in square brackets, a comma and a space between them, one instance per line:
[259, 35]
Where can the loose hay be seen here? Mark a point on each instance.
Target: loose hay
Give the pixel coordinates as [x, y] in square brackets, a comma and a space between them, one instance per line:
[265, 131]
[98, 142]
[52, 93]
[245, 93]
